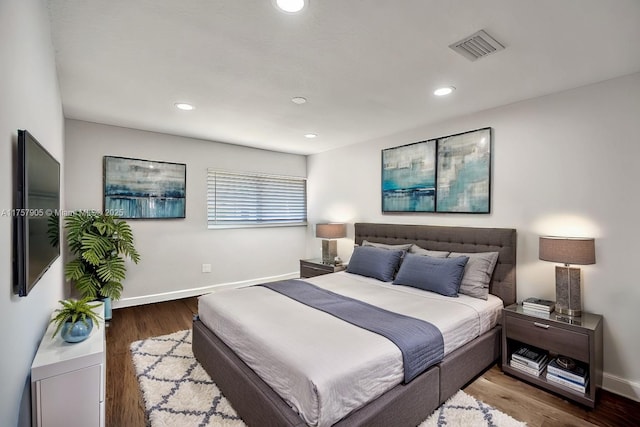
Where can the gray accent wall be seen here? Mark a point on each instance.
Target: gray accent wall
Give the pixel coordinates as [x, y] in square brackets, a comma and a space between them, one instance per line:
[564, 164]
[173, 250]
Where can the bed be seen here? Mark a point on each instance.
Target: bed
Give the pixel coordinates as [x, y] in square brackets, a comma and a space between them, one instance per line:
[402, 403]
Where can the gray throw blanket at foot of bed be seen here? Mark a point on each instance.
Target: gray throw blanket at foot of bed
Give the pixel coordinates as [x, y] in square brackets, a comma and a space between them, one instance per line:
[420, 342]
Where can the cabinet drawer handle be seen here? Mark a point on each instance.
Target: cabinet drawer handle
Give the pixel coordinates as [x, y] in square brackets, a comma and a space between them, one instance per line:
[541, 325]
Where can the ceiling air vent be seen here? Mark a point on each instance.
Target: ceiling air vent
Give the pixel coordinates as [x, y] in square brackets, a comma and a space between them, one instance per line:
[476, 46]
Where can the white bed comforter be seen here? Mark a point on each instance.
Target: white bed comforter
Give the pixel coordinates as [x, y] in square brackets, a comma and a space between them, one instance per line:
[322, 366]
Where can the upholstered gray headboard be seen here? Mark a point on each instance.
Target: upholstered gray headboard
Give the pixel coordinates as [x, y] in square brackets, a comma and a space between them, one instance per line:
[455, 239]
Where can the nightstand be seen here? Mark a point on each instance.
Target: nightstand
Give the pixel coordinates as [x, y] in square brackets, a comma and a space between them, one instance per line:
[579, 338]
[62, 373]
[315, 267]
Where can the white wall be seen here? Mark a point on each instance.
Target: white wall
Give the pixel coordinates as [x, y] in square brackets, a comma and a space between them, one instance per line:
[173, 251]
[30, 100]
[563, 164]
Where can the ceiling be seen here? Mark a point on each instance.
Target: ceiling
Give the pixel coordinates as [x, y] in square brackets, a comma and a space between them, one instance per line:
[368, 68]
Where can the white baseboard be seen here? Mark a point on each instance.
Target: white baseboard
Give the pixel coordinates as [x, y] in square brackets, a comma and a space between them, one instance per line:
[621, 386]
[186, 293]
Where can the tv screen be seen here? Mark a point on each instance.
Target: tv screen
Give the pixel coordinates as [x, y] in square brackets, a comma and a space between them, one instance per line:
[36, 216]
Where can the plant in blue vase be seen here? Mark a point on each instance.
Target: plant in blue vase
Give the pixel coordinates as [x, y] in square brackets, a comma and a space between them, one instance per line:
[101, 244]
[75, 319]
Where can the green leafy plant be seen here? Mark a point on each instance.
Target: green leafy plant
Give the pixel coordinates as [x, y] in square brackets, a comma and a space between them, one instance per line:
[53, 230]
[75, 310]
[101, 243]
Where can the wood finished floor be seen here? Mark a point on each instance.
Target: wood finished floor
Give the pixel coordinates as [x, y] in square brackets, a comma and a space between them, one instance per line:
[124, 406]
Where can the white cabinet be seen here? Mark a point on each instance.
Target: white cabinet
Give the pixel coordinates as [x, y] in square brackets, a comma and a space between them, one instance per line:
[68, 380]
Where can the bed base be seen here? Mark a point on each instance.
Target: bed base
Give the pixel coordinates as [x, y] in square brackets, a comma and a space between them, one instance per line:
[404, 405]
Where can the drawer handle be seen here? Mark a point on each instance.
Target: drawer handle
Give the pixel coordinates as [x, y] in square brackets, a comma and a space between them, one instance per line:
[541, 325]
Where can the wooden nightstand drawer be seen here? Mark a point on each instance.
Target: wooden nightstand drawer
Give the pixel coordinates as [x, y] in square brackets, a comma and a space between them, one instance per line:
[312, 268]
[579, 338]
[556, 340]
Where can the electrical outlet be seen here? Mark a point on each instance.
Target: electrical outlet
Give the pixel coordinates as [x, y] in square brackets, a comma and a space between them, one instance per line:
[206, 268]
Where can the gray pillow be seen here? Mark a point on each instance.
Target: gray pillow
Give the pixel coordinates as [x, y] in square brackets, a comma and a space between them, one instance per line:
[374, 262]
[415, 249]
[440, 275]
[403, 247]
[477, 273]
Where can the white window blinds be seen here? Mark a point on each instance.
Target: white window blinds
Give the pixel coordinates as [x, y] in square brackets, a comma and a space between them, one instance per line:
[244, 199]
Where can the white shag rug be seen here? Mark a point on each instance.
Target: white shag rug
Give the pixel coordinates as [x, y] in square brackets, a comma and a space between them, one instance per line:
[177, 391]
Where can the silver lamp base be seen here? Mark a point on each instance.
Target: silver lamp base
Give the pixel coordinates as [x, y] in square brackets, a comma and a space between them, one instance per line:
[329, 251]
[568, 300]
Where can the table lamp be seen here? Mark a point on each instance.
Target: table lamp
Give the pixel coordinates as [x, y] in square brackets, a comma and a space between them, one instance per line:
[568, 250]
[329, 232]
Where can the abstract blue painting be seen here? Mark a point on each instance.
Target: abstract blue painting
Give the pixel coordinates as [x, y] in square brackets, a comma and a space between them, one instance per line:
[448, 174]
[409, 178]
[464, 171]
[135, 188]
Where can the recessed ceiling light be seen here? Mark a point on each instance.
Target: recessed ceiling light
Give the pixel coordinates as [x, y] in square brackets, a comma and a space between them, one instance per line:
[442, 91]
[299, 100]
[291, 6]
[310, 135]
[184, 106]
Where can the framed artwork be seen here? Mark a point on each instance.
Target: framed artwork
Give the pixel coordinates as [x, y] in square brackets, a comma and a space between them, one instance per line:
[464, 172]
[451, 174]
[135, 188]
[409, 178]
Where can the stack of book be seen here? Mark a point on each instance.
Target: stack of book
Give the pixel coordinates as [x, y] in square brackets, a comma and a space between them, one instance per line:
[575, 378]
[530, 360]
[538, 306]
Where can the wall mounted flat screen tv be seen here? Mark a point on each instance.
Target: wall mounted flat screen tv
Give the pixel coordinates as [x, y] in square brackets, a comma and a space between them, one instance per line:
[36, 213]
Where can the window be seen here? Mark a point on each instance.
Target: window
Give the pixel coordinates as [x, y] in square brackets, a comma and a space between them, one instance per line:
[237, 199]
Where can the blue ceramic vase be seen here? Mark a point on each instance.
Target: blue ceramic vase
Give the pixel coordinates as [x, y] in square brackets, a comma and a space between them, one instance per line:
[76, 332]
[107, 307]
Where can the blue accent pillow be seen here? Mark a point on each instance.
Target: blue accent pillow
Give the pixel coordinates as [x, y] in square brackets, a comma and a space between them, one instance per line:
[440, 275]
[375, 262]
